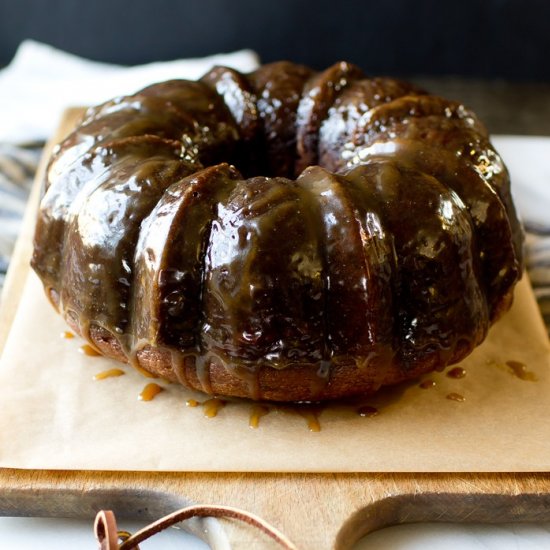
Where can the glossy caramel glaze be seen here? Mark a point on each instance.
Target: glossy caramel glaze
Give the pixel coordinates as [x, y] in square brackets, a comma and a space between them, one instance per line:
[372, 237]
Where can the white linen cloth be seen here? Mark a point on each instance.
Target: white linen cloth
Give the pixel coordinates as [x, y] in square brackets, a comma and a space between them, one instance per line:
[42, 81]
[39, 84]
[528, 160]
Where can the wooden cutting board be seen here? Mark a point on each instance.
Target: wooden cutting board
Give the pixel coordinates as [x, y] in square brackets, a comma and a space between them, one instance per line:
[316, 511]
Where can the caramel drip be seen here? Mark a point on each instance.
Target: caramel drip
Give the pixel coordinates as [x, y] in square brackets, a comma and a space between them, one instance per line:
[150, 391]
[456, 372]
[456, 397]
[177, 360]
[367, 411]
[311, 415]
[312, 420]
[250, 377]
[322, 378]
[111, 373]
[144, 372]
[68, 335]
[83, 324]
[426, 384]
[86, 349]
[132, 356]
[520, 370]
[203, 374]
[213, 406]
[256, 412]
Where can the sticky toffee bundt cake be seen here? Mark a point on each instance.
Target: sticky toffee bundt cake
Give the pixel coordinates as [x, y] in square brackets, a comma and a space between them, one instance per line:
[283, 235]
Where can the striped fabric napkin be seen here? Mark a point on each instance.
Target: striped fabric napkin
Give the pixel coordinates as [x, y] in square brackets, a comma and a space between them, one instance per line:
[17, 167]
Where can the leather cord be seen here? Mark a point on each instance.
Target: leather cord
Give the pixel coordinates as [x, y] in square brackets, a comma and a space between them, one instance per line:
[109, 538]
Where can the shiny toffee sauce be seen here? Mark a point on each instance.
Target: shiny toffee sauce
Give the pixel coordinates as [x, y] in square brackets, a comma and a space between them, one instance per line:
[453, 396]
[211, 407]
[110, 373]
[86, 349]
[150, 391]
[164, 251]
[310, 412]
[520, 370]
[456, 372]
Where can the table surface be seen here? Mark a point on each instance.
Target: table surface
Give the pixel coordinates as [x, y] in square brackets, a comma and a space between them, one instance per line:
[505, 108]
[65, 534]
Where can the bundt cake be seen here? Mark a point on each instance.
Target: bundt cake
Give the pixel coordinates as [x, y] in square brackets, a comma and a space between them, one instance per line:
[283, 235]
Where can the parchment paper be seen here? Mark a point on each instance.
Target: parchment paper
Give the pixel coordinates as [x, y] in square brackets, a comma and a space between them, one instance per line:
[53, 415]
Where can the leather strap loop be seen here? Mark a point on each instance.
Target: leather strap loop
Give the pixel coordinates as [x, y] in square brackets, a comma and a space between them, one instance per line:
[108, 537]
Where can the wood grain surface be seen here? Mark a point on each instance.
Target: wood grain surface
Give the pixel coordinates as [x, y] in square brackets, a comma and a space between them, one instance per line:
[316, 511]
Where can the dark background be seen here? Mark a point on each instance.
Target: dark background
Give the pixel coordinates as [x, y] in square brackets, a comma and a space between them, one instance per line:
[492, 39]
